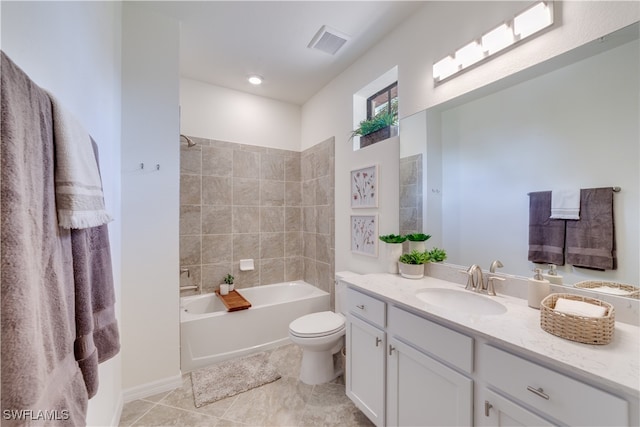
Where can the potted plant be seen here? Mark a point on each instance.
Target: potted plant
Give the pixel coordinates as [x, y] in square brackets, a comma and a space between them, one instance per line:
[411, 265]
[228, 279]
[437, 255]
[417, 241]
[381, 126]
[393, 250]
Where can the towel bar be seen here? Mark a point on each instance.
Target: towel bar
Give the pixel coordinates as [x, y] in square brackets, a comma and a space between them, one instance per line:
[615, 190]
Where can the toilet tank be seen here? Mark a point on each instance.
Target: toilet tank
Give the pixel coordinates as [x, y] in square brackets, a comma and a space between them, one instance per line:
[341, 291]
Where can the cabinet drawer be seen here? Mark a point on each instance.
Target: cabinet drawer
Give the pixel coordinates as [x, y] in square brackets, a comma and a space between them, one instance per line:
[450, 346]
[567, 400]
[366, 307]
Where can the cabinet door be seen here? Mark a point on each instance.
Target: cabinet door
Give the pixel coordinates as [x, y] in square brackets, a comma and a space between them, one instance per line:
[501, 412]
[366, 368]
[424, 392]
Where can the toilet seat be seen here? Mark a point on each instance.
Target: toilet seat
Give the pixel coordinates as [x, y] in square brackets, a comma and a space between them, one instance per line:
[316, 325]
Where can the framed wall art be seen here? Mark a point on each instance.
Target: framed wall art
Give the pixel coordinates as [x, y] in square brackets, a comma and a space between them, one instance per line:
[364, 187]
[364, 234]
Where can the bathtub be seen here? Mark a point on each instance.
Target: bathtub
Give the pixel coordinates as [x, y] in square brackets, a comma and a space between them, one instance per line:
[208, 333]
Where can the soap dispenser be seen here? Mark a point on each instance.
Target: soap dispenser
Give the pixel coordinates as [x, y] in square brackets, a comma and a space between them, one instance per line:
[539, 289]
[552, 275]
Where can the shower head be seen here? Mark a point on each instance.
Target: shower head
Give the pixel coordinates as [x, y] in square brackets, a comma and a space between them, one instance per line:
[190, 143]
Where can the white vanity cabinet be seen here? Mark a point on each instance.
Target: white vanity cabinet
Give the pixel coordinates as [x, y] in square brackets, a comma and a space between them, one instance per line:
[366, 363]
[552, 394]
[419, 389]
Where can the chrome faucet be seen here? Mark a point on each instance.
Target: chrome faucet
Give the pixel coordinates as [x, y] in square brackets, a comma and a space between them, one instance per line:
[475, 281]
[185, 270]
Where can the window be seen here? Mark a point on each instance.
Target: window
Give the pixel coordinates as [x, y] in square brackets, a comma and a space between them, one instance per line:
[384, 100]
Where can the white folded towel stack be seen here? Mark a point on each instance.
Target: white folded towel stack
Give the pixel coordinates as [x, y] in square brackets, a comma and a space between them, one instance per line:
[565, 204]
[579, 308]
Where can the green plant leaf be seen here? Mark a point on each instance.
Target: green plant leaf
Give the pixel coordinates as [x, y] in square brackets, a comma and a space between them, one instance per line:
[392, 238]
[414, 257]
[437, 255]
[418, 237]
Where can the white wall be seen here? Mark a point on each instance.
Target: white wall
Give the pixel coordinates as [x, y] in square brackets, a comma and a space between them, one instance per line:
[214, 112]
[435, 31]
[576, 127]
[73, 50]
[150, 201]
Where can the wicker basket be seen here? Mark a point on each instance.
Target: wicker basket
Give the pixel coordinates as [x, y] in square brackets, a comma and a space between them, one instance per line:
[588, 330]
[634, 292]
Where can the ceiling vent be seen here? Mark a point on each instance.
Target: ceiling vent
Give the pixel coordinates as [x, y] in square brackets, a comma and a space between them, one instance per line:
[328, 40]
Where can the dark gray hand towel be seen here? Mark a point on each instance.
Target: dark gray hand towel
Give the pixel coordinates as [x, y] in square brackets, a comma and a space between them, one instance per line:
[591, 240]
[546, 235]
[38, 370]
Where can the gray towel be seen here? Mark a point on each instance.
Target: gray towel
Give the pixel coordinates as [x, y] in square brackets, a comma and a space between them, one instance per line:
[38, 370]
[546, 235]
[591, 240]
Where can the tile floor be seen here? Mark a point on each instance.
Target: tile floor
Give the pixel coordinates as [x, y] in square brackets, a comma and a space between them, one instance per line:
[285, 402]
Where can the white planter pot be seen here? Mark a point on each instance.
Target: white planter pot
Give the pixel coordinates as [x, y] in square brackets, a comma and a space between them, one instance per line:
[417, 246]
[392, 253]
[224, 289]
[411, 271]
[231, 287]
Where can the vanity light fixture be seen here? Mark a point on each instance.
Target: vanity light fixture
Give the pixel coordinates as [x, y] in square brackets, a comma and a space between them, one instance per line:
[522, 26]
[255, 80]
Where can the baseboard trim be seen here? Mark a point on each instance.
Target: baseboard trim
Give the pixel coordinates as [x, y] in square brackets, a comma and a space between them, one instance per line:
[115, 421]
[154, 387]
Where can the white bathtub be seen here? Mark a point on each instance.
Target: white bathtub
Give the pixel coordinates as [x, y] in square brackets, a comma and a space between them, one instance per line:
[208, 333]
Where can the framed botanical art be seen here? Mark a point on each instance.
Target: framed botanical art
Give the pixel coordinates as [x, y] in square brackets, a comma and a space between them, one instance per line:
[364, 234]
[364, 187]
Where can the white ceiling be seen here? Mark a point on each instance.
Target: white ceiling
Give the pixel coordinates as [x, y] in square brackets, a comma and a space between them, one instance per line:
[222, 42]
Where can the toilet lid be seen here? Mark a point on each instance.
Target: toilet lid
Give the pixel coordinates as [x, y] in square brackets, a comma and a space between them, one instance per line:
[317, 324]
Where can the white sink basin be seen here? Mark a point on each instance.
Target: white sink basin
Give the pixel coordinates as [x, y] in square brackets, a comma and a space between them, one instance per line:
[461, 301]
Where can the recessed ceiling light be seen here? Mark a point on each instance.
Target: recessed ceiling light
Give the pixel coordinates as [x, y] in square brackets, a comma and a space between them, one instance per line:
[255, 80]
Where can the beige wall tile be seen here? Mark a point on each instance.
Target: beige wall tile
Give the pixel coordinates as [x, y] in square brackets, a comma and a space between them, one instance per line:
[272, 166]
[292, 168]
[246, 246]
[190, 250]
[217, 161]
[190, 217]
[246, 164]
[216, 219]
[216, 248]
[272, 193]
[271, 271]
[190, 189]
[292, 219]
[246, 219]
[324, 192]
[190, 160]
[213, 276]
[292, 193]
[216, 190]
[293, 244]
[322, 248]
[271, 219]
[271, 245]
[246, 192]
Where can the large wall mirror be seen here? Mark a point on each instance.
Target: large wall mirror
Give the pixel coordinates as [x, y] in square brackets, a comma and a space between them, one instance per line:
[467, 166]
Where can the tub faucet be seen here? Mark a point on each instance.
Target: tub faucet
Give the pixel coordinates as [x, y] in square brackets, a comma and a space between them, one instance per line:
[185, 270]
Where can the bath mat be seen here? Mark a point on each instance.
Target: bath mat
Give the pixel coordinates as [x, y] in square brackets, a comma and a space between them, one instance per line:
[231, 377]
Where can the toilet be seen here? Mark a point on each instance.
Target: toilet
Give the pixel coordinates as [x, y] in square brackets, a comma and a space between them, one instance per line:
[320, 336]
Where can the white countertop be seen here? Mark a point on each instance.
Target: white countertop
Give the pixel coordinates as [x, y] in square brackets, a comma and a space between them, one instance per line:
[616, 364]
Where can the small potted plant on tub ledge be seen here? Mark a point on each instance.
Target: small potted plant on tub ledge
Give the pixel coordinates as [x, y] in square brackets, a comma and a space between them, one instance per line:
[411, 265]
[228, 280]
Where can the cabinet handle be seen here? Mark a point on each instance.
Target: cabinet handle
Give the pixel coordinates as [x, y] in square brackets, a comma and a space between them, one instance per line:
[487, 407]
[361, 307]
[378, 341]
[538, 392]
[391, 348]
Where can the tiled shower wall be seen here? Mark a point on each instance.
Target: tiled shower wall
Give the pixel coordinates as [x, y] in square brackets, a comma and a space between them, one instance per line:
[318, 214]
[411, 196]
[241, 201]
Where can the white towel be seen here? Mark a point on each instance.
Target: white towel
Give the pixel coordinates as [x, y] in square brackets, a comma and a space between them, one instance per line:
[565, 204]
[579, 308]
[79, 197]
